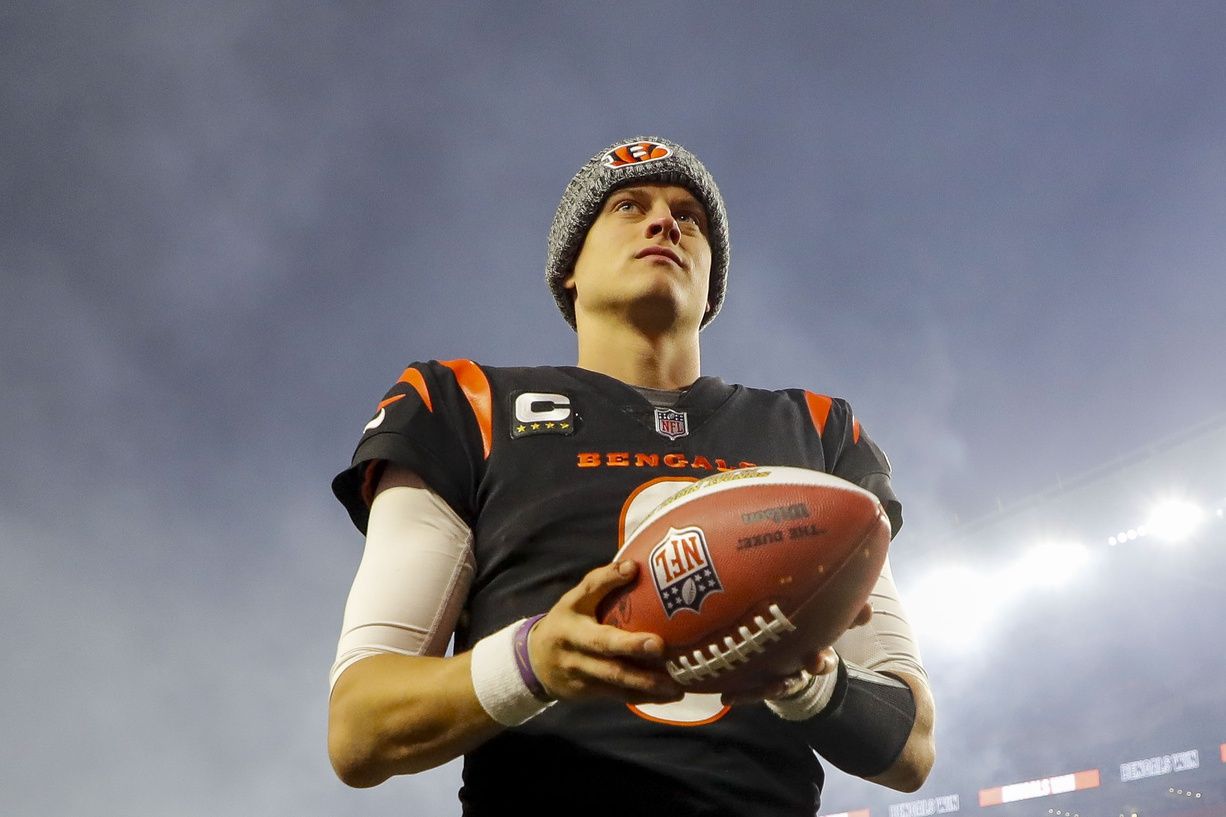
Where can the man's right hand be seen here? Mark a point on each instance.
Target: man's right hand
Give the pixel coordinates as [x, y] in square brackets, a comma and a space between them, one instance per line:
[575, 656]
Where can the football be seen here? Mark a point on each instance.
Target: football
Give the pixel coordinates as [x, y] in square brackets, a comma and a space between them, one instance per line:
[748, 573]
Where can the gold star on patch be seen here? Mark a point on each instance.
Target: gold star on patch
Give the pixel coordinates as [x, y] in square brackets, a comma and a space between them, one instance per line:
[536, 426]
[549, 425]
[521, 428]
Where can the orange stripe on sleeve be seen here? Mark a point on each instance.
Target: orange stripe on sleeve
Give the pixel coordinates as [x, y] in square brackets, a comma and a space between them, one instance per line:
[855, 430]
[477, 389]
[395, 398]
[414, 379]
[819, 410]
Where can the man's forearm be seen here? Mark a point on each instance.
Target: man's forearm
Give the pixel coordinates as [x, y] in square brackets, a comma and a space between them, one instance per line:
[883, 731]
[909, 771]
[397, 714]
[876, 726]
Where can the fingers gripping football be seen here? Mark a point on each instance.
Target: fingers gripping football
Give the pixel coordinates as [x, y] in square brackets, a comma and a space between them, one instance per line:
[824, 662]
[576, 657]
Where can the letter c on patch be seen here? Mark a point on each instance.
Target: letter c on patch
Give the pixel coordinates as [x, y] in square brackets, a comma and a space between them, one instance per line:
[538, 407]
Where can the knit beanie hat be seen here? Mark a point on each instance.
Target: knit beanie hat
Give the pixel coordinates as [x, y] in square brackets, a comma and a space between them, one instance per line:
[634, 161]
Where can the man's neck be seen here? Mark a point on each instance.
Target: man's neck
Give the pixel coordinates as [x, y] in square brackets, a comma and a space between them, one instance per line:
[619, 350]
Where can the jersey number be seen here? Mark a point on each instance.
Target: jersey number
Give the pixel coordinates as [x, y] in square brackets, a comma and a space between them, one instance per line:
[694, 709]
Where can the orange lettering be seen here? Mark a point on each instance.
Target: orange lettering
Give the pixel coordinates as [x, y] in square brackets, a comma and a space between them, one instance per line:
[692, 552]
[662, 564]
[675, 560]
[621, 459]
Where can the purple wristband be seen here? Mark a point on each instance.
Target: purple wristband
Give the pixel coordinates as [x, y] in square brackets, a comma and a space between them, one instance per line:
[525, 663]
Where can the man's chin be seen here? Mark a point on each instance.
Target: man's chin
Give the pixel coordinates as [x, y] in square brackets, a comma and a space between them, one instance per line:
[655, 315]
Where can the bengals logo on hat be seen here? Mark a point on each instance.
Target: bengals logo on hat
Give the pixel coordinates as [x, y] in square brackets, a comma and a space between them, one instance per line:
[635, 153]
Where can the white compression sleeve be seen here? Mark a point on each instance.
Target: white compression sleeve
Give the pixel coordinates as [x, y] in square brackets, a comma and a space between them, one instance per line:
[412, 582]
[886, 643]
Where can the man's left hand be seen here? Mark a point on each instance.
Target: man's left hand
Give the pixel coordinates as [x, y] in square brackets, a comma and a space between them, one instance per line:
[824, 662]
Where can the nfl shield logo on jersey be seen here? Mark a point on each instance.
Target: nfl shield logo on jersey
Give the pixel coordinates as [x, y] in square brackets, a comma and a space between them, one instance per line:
[682, 570]
[672, 424]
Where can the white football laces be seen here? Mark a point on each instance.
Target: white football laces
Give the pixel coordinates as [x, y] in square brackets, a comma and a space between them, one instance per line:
[697, 666]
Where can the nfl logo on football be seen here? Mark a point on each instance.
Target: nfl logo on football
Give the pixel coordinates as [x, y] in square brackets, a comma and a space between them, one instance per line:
[682, 569]
[672, 424]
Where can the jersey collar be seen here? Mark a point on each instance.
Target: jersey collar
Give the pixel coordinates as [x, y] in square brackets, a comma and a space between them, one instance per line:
[701, 400]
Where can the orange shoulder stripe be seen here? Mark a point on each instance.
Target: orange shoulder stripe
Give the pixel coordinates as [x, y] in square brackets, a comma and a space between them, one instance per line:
[855, 430]
[395, 398]
[819, 410]
[476, 388]
[414, 379]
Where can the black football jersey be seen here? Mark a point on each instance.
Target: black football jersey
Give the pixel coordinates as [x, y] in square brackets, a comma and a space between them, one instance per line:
[552, 467]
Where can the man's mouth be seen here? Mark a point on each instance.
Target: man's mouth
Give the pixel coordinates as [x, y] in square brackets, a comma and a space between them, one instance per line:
[664, 251]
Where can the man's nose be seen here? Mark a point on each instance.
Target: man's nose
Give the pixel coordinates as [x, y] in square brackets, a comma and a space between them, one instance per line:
[664, 223]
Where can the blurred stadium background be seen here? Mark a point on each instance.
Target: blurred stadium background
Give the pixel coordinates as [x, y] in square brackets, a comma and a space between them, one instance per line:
[1078, 640]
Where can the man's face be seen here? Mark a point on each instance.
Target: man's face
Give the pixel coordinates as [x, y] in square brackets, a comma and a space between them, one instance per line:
[646, 256]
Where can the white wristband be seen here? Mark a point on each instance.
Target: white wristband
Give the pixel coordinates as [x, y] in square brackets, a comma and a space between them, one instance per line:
[811, 698]
[497, 681]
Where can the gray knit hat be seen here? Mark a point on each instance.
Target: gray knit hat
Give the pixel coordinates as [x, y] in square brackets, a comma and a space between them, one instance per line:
[633, 161]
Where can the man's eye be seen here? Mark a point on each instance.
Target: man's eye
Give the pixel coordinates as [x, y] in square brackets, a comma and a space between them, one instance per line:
[624, 204]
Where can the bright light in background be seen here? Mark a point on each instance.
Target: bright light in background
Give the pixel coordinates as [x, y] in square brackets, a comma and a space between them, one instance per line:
[952, 605]
[1049, 564]
[1175, 520]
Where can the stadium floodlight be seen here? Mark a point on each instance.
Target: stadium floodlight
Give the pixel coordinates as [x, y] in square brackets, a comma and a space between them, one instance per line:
[952, 604]
[1049, 564]
[1175, 520]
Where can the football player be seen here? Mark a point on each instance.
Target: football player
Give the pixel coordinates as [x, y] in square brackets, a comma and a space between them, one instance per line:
[493, 499]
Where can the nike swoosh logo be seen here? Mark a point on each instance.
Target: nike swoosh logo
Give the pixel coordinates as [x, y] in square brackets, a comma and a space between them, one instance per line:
[378, 421]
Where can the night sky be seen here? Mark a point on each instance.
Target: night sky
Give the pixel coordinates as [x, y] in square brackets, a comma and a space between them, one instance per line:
[996, 228]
